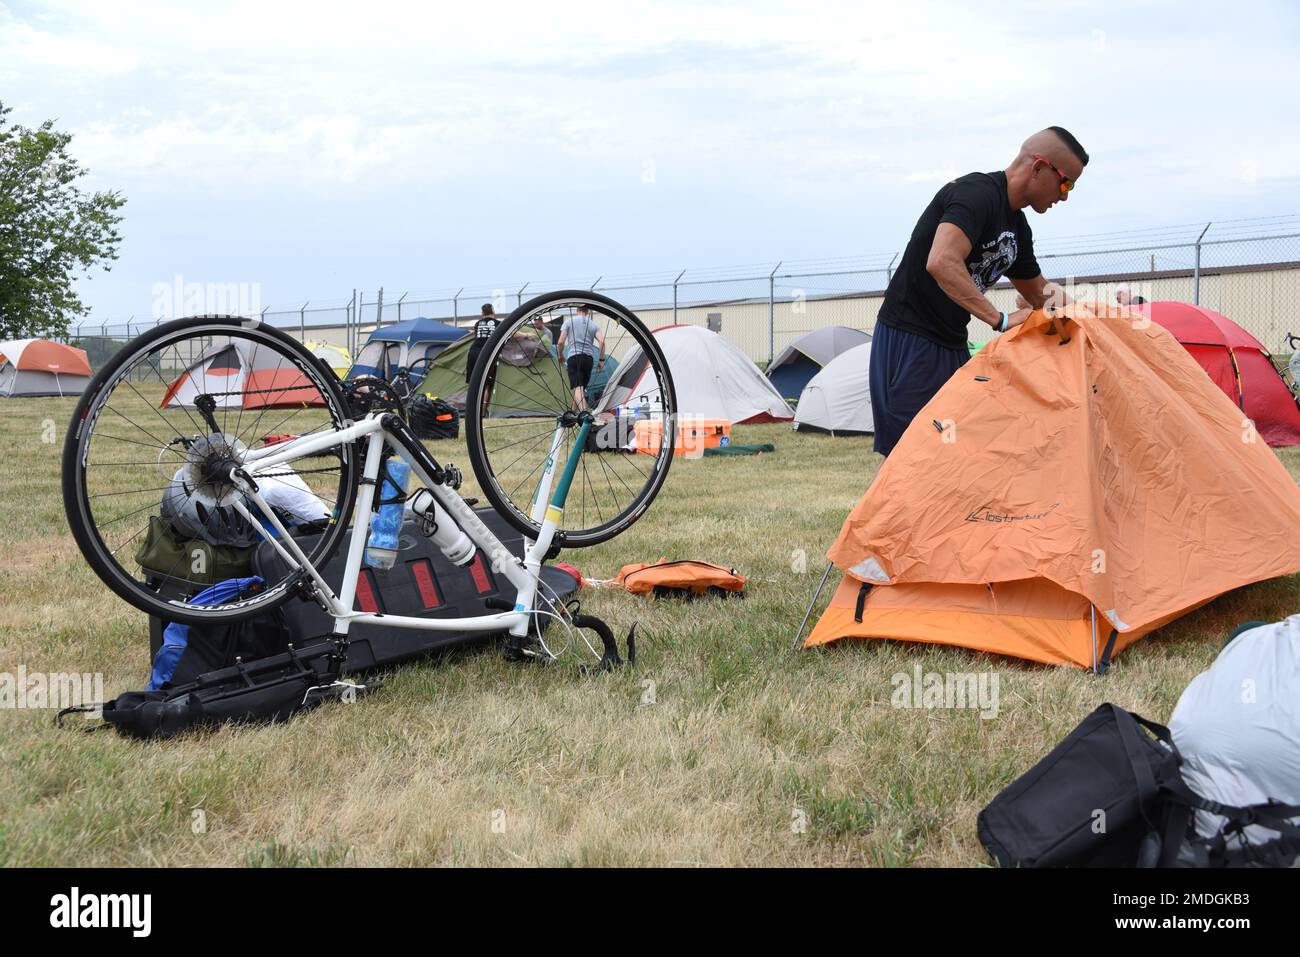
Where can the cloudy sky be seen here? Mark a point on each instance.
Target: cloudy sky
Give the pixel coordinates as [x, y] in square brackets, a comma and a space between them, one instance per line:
[316, 147]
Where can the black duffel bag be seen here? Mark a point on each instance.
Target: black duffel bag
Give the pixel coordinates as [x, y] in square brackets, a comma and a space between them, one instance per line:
[432, 418]
[1111, 795]
[272, 689]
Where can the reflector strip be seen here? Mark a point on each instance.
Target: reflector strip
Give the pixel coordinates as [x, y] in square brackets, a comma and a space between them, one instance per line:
[366, 593]
[482, 583]
[423, 572]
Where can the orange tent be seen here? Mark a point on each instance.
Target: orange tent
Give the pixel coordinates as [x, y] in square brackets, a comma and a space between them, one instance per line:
[1062, 496]
[39, 367]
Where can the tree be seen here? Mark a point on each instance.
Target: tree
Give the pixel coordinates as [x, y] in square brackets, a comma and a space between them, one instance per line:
[51, 230]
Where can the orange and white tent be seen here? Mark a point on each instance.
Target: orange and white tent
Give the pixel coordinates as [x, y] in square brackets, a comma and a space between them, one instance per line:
[40, 367]
[238, 373]
[1062, 496]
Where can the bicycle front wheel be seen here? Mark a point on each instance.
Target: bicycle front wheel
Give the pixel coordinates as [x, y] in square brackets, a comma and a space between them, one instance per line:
[148, 459]
[526, 405]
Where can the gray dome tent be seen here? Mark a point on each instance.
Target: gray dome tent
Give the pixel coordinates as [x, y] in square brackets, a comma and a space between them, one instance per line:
[809, 354]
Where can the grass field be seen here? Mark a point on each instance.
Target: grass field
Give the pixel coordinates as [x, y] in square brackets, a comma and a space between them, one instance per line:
[712, 752]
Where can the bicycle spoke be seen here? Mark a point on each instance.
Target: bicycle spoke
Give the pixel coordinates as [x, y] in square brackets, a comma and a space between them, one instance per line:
[150, 405]
[130, 491]
[161, 444]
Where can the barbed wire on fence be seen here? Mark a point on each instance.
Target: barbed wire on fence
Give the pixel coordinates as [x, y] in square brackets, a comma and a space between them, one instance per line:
[1248, 269]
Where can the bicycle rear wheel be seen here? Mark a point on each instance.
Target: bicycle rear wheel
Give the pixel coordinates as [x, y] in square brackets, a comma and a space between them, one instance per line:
[522, 417]
[148, 456]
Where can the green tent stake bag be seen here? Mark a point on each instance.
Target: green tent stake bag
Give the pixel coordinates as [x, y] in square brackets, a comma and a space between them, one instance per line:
[194, 560]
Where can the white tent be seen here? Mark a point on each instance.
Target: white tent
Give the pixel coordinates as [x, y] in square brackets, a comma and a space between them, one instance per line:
[838, 399]
[1237, 724]
[713, 379]
[40, 367]
[239, 373]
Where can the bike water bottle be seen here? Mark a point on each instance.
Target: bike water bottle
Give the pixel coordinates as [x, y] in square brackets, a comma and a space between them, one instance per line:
[386, 526]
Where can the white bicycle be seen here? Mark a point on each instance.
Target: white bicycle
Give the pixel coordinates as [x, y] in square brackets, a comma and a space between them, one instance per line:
[223, 432]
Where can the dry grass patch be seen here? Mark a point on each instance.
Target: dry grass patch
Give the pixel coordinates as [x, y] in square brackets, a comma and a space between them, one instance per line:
[749, 754]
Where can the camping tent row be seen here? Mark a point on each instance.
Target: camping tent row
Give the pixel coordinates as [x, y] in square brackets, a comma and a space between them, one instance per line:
[243, 374]
[712, 377]
[40, 367]
[436, 355]
[530, 379]
[1060, 497]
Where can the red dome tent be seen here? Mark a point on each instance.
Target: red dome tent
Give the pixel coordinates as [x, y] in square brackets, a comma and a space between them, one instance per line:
[1237, 363]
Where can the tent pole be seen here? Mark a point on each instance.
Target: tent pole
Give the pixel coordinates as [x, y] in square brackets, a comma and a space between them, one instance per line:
[1092, 614]
[808, 612]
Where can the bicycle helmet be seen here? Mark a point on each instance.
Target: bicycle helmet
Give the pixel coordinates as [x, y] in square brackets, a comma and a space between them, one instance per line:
[199, 505]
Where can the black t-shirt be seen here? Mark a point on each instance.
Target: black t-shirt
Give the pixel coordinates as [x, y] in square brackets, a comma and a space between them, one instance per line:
[483, 329]
[1001, 244]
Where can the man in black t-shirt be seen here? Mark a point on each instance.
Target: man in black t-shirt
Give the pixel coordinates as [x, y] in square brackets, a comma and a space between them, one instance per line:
[972, 234]
[482, 332]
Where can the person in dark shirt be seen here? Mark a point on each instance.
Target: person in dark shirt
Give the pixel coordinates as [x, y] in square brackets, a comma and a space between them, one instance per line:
[972, 234]
[482, 332]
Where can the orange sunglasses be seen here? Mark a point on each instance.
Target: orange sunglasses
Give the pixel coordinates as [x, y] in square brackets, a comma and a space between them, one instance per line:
[1067, 184]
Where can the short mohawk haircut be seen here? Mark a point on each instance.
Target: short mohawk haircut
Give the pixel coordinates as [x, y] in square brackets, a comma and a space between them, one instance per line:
[1073, 145]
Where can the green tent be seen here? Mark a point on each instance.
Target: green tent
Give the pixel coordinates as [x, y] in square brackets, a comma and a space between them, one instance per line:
[531, 382]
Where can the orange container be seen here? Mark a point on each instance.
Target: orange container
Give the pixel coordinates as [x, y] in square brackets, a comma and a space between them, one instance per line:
[694, 435]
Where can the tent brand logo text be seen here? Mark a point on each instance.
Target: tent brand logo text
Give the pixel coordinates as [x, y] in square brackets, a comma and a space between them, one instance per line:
[74, 910]
[975, 691]
[56, 689]
[985, 513]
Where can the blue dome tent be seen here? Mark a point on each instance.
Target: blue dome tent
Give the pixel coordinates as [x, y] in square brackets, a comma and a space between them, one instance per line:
[410, 344]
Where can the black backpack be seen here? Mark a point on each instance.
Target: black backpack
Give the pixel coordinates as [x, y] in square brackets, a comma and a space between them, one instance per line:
[1111, 795]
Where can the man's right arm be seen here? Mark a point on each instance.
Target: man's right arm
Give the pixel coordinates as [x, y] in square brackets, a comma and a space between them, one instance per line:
[947, 264]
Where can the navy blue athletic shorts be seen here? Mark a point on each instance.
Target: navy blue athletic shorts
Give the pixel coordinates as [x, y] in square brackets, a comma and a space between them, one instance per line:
[906, 371]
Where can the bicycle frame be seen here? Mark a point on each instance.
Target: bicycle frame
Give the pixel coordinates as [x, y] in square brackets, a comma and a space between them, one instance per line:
[380, 428]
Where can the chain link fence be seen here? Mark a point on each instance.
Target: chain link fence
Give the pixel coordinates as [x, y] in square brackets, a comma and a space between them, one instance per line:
[1249, 270]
